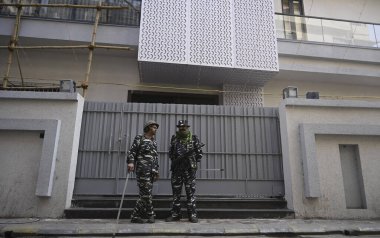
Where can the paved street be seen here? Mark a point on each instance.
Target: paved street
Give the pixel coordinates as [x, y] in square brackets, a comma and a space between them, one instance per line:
[206, 227]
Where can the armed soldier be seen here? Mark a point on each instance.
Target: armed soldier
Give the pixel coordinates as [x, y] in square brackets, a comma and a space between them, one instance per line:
[143, 158]
[185, 152]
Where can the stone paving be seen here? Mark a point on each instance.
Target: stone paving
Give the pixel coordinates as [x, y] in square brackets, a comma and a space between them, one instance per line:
[206, 227]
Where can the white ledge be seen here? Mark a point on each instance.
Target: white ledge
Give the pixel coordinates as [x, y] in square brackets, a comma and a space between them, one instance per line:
[329, 103]
[39, 95]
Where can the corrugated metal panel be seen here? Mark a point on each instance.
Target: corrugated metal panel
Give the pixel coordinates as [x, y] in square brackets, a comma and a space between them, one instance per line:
[244, 141]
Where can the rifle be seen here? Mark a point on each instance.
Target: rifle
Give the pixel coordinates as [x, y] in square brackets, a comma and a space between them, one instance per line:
[182, 162]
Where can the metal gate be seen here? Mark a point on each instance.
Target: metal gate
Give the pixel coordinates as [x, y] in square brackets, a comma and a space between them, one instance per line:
[242, 156]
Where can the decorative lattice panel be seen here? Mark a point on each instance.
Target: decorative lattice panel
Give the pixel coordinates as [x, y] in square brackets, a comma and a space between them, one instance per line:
[210, 33]
[163, 31]
[256, 44]
[219, 41]
[242, 95]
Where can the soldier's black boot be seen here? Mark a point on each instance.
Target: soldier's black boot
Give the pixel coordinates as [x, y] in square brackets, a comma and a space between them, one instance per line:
[193, 218]
[171, 218]
[150, 220]
[137, 220]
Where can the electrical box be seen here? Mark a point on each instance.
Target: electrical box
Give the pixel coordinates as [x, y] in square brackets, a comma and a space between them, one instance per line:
[67, 86]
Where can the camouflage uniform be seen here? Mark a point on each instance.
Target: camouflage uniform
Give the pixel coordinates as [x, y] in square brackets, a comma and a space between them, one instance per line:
[184, 170]
[143, 154]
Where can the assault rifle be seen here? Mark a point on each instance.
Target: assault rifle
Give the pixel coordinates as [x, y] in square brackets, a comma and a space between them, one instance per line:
[186, 159]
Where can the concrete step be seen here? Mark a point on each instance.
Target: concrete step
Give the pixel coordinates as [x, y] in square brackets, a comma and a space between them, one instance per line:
[165, 202]
[161, 213]
[102, 207]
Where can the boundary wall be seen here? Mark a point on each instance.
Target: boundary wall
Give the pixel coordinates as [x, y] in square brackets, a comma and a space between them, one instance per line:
[322, 179]
[39, 138]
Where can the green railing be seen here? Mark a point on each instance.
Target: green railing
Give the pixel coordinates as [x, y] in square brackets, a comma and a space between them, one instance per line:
[327, 30]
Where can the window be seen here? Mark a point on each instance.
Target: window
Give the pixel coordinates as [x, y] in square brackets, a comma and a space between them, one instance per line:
[294, 25]
[293, 7]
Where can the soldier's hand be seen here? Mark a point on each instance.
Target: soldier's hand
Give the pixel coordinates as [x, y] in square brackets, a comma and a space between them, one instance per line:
[156, 177]
[131, 167]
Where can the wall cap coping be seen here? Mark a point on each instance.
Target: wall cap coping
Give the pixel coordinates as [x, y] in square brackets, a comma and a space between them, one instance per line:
[60, 96]
[328, 103]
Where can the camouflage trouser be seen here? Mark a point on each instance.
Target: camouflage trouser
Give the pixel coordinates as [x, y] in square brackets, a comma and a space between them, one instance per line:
[180, 177]
[144, 207]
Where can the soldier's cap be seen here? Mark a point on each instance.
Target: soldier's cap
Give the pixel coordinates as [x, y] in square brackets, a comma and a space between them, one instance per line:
[151, 122]
[182, 123]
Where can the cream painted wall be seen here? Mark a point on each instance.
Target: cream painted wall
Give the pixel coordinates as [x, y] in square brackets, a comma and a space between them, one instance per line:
[113, 73]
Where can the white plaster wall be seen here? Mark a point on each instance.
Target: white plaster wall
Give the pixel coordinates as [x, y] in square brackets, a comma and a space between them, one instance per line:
[333, 202]
[70, 114]
[291, 116]
[18, 172]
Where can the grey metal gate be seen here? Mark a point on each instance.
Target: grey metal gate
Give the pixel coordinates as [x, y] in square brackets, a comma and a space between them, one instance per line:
[243, 141]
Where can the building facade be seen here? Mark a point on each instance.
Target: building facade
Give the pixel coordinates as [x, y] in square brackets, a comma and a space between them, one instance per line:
[229, 52]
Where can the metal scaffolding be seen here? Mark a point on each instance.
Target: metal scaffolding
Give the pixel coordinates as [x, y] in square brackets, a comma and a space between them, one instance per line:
[13, 46]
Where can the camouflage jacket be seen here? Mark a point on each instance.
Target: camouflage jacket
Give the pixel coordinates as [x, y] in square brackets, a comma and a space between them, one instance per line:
[143, 153]
[185, 155]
